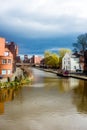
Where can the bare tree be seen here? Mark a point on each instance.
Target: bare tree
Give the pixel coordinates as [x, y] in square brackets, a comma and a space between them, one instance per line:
[81, 46]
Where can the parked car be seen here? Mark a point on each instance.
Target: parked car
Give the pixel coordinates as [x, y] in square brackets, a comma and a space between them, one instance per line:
[79, 71]
[66, 73]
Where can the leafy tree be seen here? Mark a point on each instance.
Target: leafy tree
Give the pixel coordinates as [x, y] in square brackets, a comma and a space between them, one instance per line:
[47, 54]
[62, 52]
[54, 60]
[51, 59]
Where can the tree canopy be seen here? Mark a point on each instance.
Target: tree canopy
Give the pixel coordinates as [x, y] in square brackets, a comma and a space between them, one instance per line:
[63, 51]
[81, 44]
[51, 59]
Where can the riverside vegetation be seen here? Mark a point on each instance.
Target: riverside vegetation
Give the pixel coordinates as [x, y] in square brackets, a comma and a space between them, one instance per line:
[19, 80]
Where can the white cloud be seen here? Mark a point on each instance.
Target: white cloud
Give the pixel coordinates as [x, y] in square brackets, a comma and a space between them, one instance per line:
[55, 49]
[36, 18]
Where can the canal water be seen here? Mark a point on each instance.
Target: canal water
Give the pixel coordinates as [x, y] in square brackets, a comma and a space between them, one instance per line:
[48, 103]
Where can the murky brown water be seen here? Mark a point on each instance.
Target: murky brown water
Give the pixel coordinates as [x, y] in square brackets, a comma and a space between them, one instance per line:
[49, 103]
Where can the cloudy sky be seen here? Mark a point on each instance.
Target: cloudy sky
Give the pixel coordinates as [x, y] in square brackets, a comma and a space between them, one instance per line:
[38, 25]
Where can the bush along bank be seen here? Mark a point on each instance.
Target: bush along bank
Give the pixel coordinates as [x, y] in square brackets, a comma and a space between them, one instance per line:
[19, 80]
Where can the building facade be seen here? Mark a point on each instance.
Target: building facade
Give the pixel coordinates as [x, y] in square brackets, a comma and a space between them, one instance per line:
[13, 48]
[35, 60]
[26, 59]
[8, 52]
[71, 63]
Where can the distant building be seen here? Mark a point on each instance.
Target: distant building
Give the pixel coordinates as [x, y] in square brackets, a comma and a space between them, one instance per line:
[14, 50]
[42, 62]
[8, 53]
[85, 61]
[35, 60]
[71, 63]
[18, 59]
[82, 60]
[26, 59]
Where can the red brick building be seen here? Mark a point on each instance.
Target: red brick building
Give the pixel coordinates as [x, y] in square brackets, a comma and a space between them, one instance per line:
[35, 60]
[82, 60]
[8, 53]
[13, 48]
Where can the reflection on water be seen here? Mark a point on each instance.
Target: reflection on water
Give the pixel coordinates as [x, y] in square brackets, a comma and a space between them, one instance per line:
[6, 95]
[80, 96]
[62, 84]
[50, 103]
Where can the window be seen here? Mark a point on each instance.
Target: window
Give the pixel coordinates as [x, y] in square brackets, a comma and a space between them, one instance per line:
[68, 62]
[75, 67]
[66, 68]
[6, 53]
[4, 61]
[9, 61]
[4, 72]
[69, 67]
[9, 71]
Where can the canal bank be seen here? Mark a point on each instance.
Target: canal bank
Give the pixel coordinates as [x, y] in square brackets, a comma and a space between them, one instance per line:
[17, 73]
[21, 77]
[77, 76]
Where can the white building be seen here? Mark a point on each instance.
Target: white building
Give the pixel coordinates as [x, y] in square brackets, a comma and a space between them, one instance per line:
[70, 62]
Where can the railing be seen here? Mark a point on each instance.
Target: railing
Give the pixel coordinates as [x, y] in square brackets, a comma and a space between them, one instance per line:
[23, 64]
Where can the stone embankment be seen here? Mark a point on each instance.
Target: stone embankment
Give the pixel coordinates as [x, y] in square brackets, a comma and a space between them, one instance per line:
[18, 72]
[78, 76]
[21, 77]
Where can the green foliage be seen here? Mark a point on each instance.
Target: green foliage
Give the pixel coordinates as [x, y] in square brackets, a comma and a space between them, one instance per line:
[15, 83]
[63, 51]
[47, 54]
[51, 59]
[19, 80]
